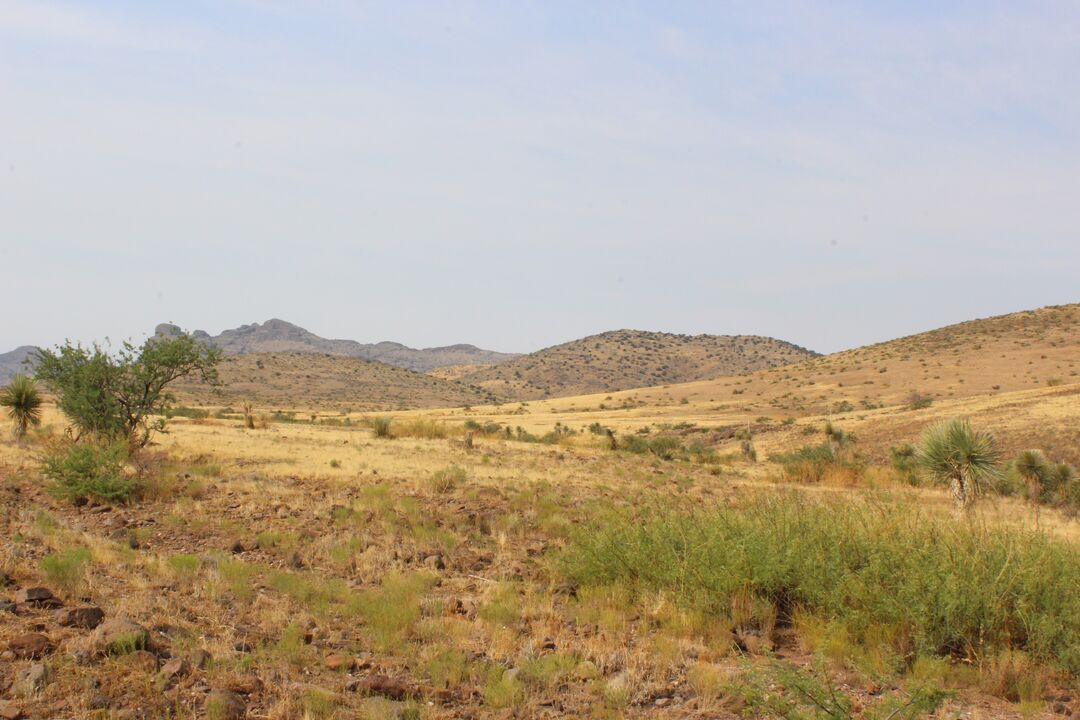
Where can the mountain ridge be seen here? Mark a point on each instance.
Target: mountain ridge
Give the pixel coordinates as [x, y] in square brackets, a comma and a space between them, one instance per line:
[280, 336]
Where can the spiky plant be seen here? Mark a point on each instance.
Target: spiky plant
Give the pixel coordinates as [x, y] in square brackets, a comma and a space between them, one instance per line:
[951, 452]
[23, 403]
[1060, 479]
[1032, 467]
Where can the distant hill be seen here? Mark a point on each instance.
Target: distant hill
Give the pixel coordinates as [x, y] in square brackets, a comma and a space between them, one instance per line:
[303, 380]
[14, 362]
[624, 359]
[279, 336]
[1021, 351]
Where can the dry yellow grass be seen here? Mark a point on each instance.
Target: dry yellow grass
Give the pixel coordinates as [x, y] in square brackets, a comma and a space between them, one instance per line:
[309, 543]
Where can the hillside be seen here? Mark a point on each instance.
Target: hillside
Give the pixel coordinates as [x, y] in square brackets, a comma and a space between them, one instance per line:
[13, 363]
[623, 359]
[1018, 374]
[278, 336]
[305, 380]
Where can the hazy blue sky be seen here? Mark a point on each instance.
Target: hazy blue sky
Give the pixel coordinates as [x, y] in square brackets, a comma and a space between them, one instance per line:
[517, 174]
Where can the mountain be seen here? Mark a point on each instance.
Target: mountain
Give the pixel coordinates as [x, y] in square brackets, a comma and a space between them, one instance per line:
[14, 362]
[290, 380]
[624, 359]
[279, 336]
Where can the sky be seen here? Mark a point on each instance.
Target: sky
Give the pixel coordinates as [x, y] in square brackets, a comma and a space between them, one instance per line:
[516, 175]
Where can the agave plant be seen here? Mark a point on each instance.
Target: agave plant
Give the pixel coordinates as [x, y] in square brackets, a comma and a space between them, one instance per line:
[952, 452]
[23, 404]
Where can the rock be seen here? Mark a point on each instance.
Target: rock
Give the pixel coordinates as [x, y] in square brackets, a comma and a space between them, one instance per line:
[381, 685]
[173, 671]
[296, 562]
[5, 579]
[243, 646]
[119, 636]
[30, 681]
[226, 705]
[9, 607]
[38, 596]
[246, 684]
[10, 711]
[199, 659]
[337, 661]
[512, 674]
[30, 645]
[87, 618]
[98, 701]
[435, 562]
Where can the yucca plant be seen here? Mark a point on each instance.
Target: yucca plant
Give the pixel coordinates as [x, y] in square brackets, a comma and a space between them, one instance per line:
[23, 404]
[952, 452]
[1032, 467]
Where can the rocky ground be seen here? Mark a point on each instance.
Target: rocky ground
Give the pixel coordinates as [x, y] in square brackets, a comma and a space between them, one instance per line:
[416, 578]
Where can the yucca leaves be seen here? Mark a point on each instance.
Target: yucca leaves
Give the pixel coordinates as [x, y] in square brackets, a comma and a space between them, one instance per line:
[952, 452]
[23, 404]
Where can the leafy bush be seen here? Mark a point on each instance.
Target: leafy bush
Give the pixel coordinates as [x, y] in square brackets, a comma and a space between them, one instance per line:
[113, 395]
[930, 585]
[90, 471]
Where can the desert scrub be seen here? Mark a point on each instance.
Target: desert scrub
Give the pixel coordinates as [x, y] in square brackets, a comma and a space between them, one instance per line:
[380, 426]
[89, 470]
[942, 587]
[66, 570]
[445, 480]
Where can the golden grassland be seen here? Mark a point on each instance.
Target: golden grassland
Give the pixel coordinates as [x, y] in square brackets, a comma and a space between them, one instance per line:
[331, 573]
[435, 565]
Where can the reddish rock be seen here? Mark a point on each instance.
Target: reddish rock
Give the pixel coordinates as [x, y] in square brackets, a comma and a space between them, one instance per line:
[118, 636]
[382, 685]
[38, 596]
[30, 645]
[10, 711]
[226, 704]
[87, 618]
[246, 684]
[336, 662]
[173, 671]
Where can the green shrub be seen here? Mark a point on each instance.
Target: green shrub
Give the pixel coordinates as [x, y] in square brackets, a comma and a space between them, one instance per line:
[66, 570]
[381, 427]
[940, 587]
[90, 470]
[665, 447]
[634, 444]
[806, 464]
